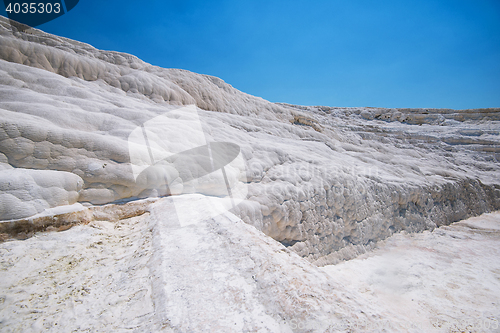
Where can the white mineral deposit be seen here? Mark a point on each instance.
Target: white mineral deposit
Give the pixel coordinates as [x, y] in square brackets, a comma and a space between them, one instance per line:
[143, 199]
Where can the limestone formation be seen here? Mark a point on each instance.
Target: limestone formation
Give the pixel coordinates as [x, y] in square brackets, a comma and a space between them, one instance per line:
[316, 179]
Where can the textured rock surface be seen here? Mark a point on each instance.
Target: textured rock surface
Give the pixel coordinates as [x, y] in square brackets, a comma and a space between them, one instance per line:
[318, 179]
[28, 192]
[441, 281]
[148, 273]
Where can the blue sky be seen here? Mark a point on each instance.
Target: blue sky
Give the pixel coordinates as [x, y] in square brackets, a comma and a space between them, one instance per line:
[404, 53]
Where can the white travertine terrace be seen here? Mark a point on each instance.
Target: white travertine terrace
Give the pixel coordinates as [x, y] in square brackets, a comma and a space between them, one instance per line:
[82, 128]
[326, 182]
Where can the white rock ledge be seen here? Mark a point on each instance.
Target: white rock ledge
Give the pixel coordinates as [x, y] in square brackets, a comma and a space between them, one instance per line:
[325, 182]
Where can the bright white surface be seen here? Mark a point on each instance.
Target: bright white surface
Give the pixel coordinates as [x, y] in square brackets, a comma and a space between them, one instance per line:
[28, 192]
[447, 280]
[86, 278]
[149, 273]
[328, 182]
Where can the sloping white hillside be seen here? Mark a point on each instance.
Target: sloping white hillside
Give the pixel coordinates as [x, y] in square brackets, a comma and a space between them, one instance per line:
[317, 179]
[159, 168]
[149, 273]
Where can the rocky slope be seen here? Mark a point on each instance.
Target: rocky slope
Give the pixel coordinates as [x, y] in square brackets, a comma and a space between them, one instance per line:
[325, 182]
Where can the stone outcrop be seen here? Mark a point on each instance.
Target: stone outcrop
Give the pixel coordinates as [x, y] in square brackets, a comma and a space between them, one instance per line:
[326, 182]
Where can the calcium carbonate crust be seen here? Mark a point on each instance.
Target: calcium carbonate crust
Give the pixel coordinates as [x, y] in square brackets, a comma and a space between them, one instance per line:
[327, 182]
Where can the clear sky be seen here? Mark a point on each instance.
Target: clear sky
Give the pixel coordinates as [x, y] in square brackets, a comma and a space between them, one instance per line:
[401, 53]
